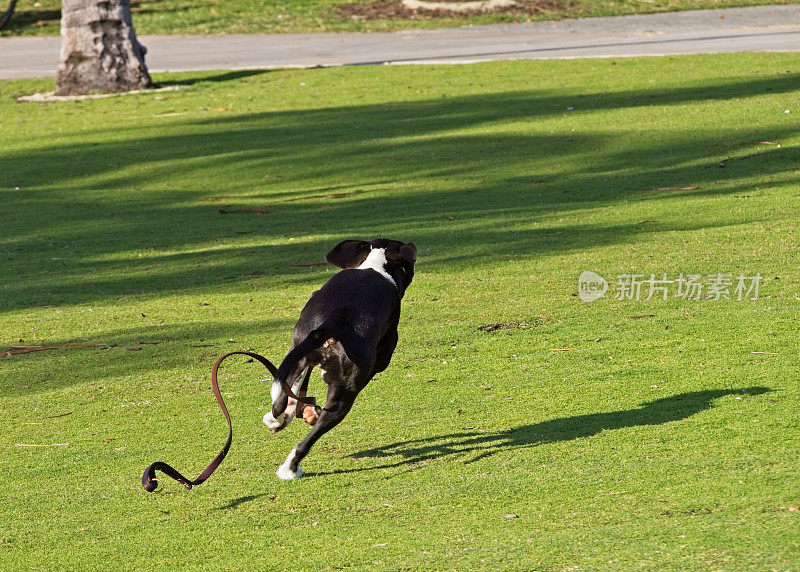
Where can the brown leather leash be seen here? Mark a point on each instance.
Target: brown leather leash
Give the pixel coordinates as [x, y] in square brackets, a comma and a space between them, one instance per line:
[149, 480]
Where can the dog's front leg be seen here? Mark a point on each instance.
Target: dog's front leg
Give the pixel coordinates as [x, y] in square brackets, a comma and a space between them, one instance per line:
[283, 406]
[277, 418]
[337, 405]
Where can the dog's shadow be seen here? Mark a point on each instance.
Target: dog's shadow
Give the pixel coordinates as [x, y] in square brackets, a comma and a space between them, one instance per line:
[466, 444]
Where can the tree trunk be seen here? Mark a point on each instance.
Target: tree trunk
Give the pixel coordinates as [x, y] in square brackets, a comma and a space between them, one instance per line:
[99, 49]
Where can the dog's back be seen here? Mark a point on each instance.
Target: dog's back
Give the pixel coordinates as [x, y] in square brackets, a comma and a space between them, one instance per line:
[360, 302]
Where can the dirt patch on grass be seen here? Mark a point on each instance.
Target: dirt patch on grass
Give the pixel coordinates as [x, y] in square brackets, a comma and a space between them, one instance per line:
[397, 10]
[520, 324]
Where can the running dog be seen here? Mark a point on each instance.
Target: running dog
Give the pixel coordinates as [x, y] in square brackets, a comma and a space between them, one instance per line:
[349, 329]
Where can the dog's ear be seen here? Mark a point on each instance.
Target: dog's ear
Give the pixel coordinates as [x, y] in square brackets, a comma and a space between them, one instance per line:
[349, 253]
[409, 252]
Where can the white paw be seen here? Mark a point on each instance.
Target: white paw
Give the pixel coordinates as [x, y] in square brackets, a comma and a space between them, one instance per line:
[275, 425]
[285, 473]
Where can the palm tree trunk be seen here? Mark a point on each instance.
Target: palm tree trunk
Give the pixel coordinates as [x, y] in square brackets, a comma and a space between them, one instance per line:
[99, 49]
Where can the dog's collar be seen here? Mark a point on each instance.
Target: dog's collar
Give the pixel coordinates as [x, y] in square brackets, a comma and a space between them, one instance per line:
[376, 260]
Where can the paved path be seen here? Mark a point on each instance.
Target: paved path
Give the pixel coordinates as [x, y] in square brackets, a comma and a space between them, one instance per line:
[761, 28]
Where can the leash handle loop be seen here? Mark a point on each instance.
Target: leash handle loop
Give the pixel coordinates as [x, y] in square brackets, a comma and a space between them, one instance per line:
[149, 480]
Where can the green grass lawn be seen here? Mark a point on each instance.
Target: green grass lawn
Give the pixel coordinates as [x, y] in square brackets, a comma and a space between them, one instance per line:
[619, 434]
[41, 17]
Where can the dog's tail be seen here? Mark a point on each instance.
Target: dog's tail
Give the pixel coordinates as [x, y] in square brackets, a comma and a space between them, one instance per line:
[315, 339]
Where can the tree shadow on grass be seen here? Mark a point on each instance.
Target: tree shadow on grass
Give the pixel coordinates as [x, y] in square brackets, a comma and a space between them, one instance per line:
[478, 445]
[29, 18]
[141, 349]
[135, 210]
[212, 78]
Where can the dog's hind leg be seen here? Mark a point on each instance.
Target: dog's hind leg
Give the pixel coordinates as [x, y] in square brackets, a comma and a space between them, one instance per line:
[283, 406]
[338, 404]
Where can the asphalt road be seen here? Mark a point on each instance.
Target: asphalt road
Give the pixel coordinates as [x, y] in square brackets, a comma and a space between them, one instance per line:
[761, 29]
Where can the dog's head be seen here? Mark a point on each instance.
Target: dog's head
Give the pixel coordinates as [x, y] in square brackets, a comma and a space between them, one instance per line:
[395, 257]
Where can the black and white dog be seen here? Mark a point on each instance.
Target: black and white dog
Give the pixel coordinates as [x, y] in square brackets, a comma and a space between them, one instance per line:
[349, 329]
